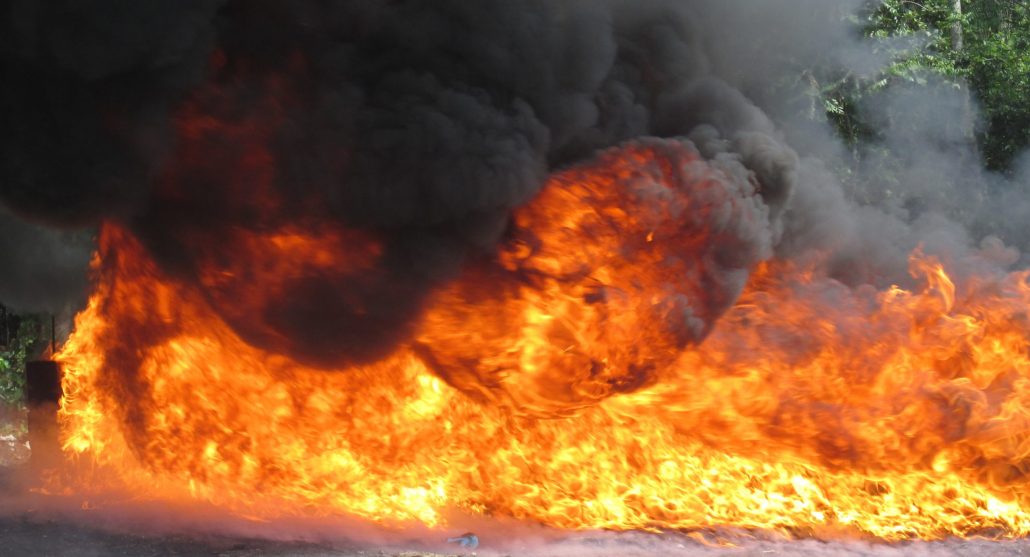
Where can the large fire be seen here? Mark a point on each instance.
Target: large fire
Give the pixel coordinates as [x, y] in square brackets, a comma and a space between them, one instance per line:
[593, 373]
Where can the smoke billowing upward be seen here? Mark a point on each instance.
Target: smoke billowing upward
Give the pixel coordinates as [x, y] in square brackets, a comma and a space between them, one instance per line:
[411, 128]
[407, 132]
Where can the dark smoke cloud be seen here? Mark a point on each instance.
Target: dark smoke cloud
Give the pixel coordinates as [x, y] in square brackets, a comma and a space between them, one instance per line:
[87, 89]
[422, 124]
[84, 108]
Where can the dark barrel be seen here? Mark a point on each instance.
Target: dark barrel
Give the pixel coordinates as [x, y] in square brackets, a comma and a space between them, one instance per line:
[43, 394]
[42, 382]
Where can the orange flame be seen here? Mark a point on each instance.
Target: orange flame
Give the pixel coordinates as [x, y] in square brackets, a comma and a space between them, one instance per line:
[812, 408]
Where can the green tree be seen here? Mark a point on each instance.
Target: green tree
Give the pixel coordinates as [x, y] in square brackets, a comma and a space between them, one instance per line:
[984, 43]
[997, 64]
[19, 348]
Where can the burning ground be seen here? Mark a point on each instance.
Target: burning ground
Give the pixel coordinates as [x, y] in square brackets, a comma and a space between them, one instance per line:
[415, 262]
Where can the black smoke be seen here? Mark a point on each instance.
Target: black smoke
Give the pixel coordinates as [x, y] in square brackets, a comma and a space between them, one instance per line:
[422, 125]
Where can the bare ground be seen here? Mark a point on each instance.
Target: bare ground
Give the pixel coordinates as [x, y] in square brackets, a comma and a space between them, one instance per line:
[37, 526]
[34, 533]
[29, 537]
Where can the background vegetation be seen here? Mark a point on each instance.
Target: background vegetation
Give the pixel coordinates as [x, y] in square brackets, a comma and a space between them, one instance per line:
[979, 46]
[20, 340]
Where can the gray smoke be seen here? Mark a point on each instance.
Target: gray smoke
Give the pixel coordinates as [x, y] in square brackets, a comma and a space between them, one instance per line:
[424, 123]
[920, 181]
[41, 267]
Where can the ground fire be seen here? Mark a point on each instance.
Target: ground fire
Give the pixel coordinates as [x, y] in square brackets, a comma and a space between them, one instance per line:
[580, 264]
[580, 396]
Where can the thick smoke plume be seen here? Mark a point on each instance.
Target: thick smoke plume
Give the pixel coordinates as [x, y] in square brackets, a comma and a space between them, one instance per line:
[412, 128]
[408, 132]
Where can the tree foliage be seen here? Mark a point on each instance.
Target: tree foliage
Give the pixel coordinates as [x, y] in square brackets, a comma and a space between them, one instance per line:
[19, 348]
[993, 59]
[997, 63]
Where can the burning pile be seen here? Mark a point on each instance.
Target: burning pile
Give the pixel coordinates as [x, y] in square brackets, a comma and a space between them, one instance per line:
[811, 408]
[549, 267]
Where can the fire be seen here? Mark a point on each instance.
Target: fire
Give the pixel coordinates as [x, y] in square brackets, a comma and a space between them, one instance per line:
[576, 378]
[614, 269]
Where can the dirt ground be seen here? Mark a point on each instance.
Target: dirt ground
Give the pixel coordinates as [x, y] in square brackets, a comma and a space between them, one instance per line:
[29, 530]
[26, 536]
[22, 536]
[33, 525]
